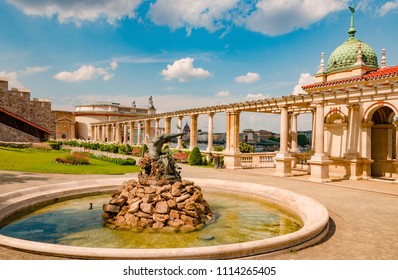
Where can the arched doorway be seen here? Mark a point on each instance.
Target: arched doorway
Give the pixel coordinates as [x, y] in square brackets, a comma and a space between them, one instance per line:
[383, 142]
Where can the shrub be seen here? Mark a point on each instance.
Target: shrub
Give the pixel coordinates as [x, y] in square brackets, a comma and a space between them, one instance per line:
[136, 151]
[55, 145]
[218, 148]
[74, 158]
[195, 157]
[41, 146]
[181, 157]
[245, 148]
[144, 150]
[119, 161]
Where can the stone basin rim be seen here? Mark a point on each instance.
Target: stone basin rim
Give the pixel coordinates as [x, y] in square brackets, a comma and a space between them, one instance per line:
[314, 216]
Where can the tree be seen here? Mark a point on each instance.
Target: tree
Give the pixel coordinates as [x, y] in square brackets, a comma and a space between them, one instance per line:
[302, 140]
[246, 148]
[195, 157]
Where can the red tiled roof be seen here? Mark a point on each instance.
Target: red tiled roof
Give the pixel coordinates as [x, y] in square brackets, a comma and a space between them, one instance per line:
[25, 121]
[373, 75]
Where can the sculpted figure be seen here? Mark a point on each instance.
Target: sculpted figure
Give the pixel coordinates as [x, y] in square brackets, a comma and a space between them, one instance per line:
[156, 145]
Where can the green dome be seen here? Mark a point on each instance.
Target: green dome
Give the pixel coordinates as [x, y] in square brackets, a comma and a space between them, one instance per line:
[345, 55]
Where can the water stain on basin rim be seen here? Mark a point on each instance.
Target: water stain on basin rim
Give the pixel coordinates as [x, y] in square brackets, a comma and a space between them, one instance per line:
[312, 214]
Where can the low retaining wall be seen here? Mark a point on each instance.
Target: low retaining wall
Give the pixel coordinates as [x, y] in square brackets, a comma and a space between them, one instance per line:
[314, 216]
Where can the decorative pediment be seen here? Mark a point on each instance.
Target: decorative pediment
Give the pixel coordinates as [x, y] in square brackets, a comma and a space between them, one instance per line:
[65, 120]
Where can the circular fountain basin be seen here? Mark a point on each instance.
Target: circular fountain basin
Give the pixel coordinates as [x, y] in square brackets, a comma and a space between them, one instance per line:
[312, 214]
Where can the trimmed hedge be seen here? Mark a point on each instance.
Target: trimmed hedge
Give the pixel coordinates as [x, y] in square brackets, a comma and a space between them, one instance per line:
[195, 157]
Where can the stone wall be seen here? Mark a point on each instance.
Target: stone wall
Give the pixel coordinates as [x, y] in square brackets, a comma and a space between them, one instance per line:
[9, 134]
[18, 102]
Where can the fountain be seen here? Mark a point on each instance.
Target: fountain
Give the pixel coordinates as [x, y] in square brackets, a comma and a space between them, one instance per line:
[160, 200]
[144, 204]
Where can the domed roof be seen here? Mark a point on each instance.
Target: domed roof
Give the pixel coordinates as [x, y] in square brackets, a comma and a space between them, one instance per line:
[345, 55]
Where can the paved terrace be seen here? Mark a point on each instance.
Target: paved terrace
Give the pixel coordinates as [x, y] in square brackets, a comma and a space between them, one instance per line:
[364, 214]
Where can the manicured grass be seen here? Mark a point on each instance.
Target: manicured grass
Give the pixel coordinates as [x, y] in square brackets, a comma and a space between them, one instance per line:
[42, 161]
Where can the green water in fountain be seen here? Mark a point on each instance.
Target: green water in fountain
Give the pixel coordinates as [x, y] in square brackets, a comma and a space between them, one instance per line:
[238, 219]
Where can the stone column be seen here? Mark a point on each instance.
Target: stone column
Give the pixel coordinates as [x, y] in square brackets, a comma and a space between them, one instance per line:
[104, 129]
[167, 125]
[92, 132]
[114, 132]
[232, 154]
[396, 151]
[157, 127]
[95, 138]
[132, 134]
[319, 162]
[139, 133]
[283, 159]
[193, 136]
[313, 131]
[353, 130]
[108, 133]
[294, 145]
[179, 139]
[125, 133]
[119, 132]
[367, 156]
[210, 133]
[147, 136]
[353, 164]
[99, 133]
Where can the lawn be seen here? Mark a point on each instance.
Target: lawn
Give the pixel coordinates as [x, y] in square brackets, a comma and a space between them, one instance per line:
[43, 161]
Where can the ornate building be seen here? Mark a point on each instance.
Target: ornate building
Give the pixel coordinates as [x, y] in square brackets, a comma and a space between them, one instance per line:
[360, 125]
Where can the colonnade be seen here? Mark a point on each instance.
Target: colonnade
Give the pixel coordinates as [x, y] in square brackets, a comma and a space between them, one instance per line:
[140, 131]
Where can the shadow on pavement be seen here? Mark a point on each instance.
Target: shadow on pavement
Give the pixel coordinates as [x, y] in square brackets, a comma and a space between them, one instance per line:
[8, 178]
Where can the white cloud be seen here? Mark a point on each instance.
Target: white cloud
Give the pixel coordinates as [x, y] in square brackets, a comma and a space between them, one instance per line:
[184, 71]
[256, 96]
[85, 73]
[36, 69]
[305, 79]
[78, 11]
[208, 14]
[388, 7]
[12, 78]
[275, 17]
[223, 93]
[250, 77]
[114, 65]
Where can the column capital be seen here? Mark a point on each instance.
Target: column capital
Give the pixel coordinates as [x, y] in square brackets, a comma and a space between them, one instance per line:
[367, 124]
[353, 106]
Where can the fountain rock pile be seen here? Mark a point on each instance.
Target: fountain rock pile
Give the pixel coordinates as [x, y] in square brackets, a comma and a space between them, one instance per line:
[160, 199]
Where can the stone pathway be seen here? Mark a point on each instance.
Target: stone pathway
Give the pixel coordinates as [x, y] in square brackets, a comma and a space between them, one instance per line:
[364, 214]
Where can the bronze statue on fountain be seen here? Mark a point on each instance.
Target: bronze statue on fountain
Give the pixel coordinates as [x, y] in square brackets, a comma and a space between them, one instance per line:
[158, 164]
[161, 199]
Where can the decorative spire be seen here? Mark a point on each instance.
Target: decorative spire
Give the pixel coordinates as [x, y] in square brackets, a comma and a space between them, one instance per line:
[383, 58]
[352, 30]
[359, 55]
[322, 64]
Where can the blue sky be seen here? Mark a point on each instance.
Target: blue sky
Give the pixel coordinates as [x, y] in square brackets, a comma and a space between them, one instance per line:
[184, 53]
